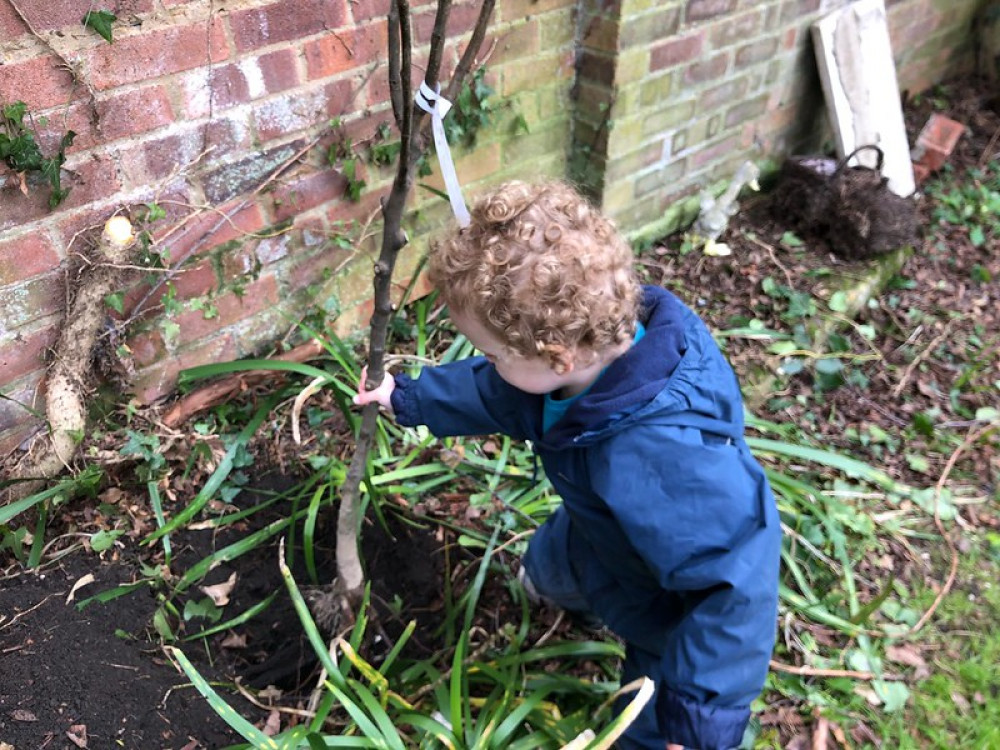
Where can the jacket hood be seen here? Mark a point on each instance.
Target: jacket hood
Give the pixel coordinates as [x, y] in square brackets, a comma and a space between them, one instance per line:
[675, 373]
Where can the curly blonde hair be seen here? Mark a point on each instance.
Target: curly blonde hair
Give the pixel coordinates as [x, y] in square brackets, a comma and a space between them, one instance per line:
[542, 269]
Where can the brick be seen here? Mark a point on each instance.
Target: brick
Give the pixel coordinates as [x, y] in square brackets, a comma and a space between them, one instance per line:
[471, 167]
[647, 28]
[40, 83]
[68, 13]
[793, 10]
[596, 68]
[301, 109]
[26, 353]
[225, 182]
[29, 255]
[529, 146]
[676, 51]
[278, 69]
[746, 110]
[147, 56]
[675, 114]
[259, 296]
[701, 10]
[634, 162]
[312, 269]
[524, 74]
[16, 439]
[212, 228]
[600, 33]
[732, 90]
[737, 29]
[517, 42]
[365, 10]
[29, 302]
[336, 53]
[11, 25]
[285, 21]
[134, 112]
[759, 51]
[661, 178]
[461, 21]
[304, 192]
[13, 414]
[156, 382]
[708, 69]
[658, 89]
[147, 348]
[714, 152]
[511, 10]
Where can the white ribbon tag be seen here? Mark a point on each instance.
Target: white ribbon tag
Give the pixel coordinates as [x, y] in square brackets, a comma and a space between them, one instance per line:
[437, 107]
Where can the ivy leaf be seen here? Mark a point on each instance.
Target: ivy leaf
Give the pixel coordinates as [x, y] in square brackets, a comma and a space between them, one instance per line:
[116, 302]
[100, 21]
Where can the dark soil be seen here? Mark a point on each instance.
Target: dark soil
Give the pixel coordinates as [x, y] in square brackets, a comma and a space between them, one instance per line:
[97, 678]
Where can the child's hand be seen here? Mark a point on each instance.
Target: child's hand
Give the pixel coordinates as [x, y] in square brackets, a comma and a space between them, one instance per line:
[382, 394]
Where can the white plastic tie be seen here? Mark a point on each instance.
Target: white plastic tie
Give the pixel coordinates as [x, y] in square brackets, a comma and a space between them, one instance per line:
[437, 107]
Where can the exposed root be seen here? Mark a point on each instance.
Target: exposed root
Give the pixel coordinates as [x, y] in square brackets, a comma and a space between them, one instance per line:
[65, 399]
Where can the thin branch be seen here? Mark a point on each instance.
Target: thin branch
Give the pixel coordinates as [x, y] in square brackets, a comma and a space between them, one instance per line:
[437, 43]
[395, 85]
[469, 56]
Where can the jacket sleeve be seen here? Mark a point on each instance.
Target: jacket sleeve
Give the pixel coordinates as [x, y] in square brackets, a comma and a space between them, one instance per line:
[466, 398]
[699, 513]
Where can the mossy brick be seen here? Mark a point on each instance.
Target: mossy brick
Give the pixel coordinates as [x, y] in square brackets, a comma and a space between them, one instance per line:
[597, 67]
[30, 301]
[593, 100]
[525, 74]
[746, 110]
[513, 10]
[661, 178]
[534, 145]
[642, 30]
[27, 255]
[150, 55]
[641, 212]
[737, 29]
[517, 41]
[285, 21]
[713, 152]
[625, 135]
[472, 166]
[557, 29]
[657, 89]
[755, 52]
[634, 162]
[633, 65]
[618, 196]
[703, 10]
[675, 114]
[554, 104]
[40, 83]
[674, 52]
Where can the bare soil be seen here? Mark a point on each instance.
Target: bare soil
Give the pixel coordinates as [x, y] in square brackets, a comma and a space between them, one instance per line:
[96, 677]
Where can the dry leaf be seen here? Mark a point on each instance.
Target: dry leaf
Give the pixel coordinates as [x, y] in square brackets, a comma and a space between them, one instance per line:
[235, 640]
[907, 655]
[22, 714]
[961, 702]
[78, 735]
[219, 592]
[83, 581]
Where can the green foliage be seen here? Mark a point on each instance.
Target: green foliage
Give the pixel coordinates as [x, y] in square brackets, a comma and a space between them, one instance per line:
[21, 153]
[472, 111]
[100, 21]
[971, 201]
[341, 155]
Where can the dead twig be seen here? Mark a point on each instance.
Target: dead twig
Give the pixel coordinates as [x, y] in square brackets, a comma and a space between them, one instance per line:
[851, 674]
[908, 373]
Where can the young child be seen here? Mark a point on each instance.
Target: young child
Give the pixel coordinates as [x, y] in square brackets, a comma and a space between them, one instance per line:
[668, 531]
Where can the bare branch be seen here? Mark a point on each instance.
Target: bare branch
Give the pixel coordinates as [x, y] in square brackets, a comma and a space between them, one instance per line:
[437, 43]
[469, 56]
[395, 83]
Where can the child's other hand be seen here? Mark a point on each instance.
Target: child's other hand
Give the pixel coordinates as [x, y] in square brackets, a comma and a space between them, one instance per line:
[382, 394]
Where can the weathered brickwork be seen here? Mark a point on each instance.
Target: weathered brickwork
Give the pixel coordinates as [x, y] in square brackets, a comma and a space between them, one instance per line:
[223, 113]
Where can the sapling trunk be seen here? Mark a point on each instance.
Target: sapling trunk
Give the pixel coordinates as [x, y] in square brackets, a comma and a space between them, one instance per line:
[65, 396]
[345, 595]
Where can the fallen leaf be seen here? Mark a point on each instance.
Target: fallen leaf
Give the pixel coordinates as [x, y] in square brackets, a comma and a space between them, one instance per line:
[219, 592]
[78, 735]
[905, 655]
[961, 702]
[235, 640]
[273, 724]
[83, 581]
[21, 714]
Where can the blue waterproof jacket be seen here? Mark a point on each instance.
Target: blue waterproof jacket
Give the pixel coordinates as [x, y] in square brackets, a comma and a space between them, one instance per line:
[668, 528]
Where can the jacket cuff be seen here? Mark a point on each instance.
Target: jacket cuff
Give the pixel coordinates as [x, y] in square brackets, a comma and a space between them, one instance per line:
[698, 725]
[404, 403]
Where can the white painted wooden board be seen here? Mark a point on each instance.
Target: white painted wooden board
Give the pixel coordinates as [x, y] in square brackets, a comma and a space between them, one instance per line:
[859, 81]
